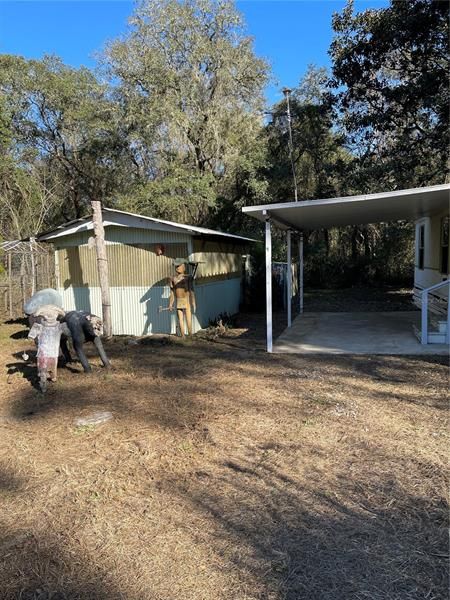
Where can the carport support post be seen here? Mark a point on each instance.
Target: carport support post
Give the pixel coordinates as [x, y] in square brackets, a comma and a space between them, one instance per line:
[300, 272]
[448, 317]
[268, 286]
[289, 279]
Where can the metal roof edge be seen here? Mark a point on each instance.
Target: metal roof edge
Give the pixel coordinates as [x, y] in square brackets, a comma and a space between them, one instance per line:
[64, 228]
[61, 227]
[344, 199]
[182, 226]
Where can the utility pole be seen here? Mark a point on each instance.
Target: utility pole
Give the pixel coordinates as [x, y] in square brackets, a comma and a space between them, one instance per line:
[286, 91]
[102, 265]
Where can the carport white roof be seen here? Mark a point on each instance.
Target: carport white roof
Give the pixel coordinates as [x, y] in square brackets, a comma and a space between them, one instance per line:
[408, 204]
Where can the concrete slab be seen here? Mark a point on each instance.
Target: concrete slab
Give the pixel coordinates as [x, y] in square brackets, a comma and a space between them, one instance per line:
[355, 333]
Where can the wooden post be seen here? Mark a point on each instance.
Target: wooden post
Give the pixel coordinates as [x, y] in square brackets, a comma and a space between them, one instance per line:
[10, 284]
[102, 265]
[33, 267]
[47, 268]
[289, 279]
[269, 287]
[56, 271]
[22, 278]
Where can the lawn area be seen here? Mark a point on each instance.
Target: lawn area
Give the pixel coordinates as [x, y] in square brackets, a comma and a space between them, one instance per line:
[225, 473]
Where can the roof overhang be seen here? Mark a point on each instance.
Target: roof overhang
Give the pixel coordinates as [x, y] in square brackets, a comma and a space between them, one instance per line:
[119, 218]
[411, 204]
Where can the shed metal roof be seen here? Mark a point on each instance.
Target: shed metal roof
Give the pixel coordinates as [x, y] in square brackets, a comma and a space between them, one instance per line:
[121, 218]
[410, 204]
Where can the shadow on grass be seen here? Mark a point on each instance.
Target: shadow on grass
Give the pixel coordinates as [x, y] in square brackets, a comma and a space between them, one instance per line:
[325, 542]
[18, 321]
[140, 401]
[376, 533]
[42, 567]
[395, 369]
[167, 384]
[26, 370]
[20, 335]
[9, 481]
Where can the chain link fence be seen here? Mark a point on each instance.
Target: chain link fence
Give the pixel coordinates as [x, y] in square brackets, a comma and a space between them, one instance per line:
[26, 267]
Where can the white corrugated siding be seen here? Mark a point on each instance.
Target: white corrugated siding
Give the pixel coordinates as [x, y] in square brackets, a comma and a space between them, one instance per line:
[138, 279]
[135, 309]
[124, 235]
[216, 298]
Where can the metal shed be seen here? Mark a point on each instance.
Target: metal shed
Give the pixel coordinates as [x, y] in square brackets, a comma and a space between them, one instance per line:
[140, 254]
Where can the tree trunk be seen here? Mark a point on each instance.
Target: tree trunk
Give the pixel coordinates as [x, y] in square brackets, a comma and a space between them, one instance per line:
[326, 237]
[367, 248]
[354, 243]
[76, 205]
[102, 265]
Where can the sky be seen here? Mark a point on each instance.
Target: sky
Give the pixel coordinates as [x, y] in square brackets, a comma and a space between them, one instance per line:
[290, 34]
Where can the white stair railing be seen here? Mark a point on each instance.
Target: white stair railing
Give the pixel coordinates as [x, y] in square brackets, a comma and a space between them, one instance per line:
[424, 307]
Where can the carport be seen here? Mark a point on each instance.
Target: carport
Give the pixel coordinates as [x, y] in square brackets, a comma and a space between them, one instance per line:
[295, 218]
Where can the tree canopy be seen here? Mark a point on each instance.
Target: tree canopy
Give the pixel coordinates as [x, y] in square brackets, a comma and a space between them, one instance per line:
[391, 76]
[192, 89]
[174, 123]
[65, 125]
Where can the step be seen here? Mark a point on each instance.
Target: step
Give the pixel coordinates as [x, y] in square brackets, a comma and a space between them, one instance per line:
[440, 326]
[434, 337]
[437, 304]
[434, 309]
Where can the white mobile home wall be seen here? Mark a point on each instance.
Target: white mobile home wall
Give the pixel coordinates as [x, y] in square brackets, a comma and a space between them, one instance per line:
[431, 273]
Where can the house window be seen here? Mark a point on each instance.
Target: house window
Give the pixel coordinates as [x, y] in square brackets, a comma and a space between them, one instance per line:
[421, 246]
[444, 245]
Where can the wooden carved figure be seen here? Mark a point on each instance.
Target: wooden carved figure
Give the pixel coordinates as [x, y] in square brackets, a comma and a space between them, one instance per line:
[182, 295]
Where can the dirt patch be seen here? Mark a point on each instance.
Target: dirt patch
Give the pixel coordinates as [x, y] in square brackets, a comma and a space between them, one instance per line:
[224, 473]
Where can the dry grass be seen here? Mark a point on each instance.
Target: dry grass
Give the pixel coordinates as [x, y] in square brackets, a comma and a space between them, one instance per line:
[225, 474]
